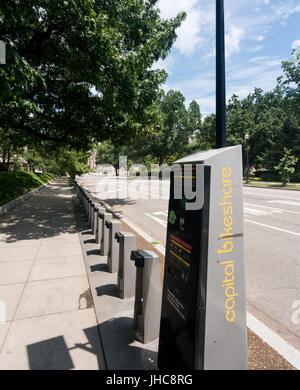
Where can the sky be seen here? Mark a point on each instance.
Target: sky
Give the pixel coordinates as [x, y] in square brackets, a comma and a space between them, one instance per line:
[259, 35]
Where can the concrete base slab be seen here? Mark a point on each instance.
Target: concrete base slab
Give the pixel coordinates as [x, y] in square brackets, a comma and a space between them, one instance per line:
[10, 296]
[114, 315]
[57, 267]
[3, 332]
[18, 253]
[14, 272]
[61, 341]
[61, 249]
[52, 296]
[6, 242]
[63, 237]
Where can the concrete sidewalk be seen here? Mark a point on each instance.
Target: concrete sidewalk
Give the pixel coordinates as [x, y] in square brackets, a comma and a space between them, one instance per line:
[50, 319]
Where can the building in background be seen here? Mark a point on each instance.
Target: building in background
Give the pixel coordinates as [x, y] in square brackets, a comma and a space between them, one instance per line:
[92, 161]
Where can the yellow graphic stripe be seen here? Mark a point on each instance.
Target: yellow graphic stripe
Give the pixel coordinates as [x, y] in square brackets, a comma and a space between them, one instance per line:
[179, 258]
[189, 177]
[176, 243]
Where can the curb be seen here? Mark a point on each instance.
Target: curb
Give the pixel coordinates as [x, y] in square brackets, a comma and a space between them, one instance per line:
[271, 188]
[20, 199]
[108, 208]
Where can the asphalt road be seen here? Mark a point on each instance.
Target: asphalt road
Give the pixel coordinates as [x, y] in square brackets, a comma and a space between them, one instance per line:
[272, 239]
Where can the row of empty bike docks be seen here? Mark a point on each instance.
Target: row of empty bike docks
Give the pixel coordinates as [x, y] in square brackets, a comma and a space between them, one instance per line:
[138, 271]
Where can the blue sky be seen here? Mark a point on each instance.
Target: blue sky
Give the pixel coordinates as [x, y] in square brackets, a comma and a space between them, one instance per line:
[259, 35]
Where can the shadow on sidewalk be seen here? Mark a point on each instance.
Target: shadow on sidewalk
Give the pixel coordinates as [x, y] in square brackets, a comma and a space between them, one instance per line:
[47, 214]
[54, 354]
[108, 289]
[121, 350]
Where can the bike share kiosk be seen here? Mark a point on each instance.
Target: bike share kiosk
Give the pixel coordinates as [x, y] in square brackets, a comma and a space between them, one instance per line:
[113, 245]
[105, 233]
[126, 269]
[98, 224]
[95, 218]
[203, 316]
[147, 304]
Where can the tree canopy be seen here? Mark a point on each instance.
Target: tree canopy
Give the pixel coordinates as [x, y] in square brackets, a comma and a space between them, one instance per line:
[80, 70]
[172, 131]
[271, 119]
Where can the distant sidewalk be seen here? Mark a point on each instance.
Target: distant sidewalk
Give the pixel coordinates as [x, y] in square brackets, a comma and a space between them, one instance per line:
[45, 300]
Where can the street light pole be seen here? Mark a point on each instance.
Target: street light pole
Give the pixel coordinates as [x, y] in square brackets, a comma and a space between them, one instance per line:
[220, 77]
[247, 158]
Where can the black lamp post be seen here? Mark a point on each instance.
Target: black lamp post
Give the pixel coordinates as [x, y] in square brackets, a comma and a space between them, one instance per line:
[220, 77]
[247, 158]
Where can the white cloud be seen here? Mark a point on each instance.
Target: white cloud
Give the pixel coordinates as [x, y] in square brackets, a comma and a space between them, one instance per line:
[164, 64]
[267, 61]
[207, 104]
[259, 59]
[201, 83]
[272, 63]
[170, 8]
[188, 34]
[296, 44]
[286, 8]
[232, 40]
[255, 49]
[262, 77]
[193, 31]
[248, 33]
[198, 28]
[263, 74]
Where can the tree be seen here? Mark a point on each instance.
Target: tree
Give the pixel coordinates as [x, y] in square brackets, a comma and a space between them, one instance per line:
[171, 132]
[271, 120]
[34, 160]
[206, 138]
[286, 166]
[79, 71]
[194, 117]
[11, 148]
[292, 70]
[109, 153]
[48, 157]
[69, 161]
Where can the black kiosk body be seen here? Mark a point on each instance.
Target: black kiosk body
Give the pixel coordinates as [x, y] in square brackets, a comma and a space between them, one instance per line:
[203, 317]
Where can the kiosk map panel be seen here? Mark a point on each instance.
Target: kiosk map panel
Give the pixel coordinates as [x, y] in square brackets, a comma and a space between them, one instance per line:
[184, 264]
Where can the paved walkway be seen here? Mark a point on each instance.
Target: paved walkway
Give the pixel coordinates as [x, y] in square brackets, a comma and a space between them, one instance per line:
[44, 290]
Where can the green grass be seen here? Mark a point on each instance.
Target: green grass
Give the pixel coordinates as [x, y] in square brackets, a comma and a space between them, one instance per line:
[253, 178]
[45, 176]
[273, 185]
[14, 184]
